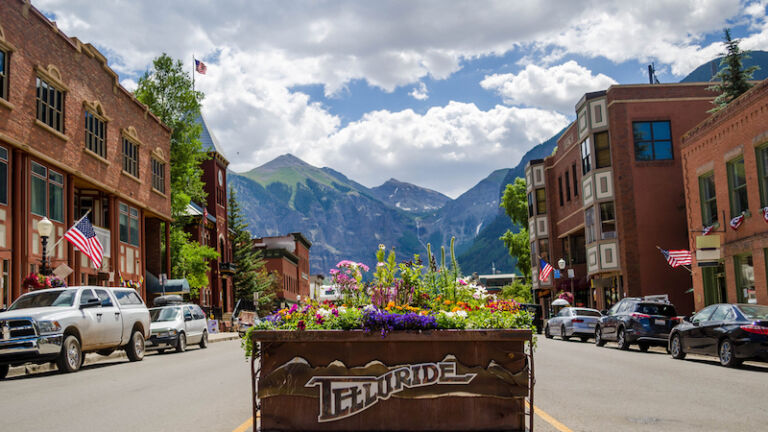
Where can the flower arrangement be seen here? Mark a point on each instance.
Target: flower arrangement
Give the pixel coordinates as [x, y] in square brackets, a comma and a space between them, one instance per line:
[36, 281]
[402, 296]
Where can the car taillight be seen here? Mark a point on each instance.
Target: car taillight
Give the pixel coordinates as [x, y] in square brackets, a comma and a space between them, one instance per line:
[755, 329]
[578, 320]
[639, 315]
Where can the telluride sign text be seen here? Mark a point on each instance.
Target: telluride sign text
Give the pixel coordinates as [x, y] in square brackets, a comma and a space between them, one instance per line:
[345, 396]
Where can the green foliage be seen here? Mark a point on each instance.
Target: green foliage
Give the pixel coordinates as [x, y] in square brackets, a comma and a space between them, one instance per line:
[515, 204]
[191, 261]
[251, 275]
[517, 291]
[167, 90]
[734, 79]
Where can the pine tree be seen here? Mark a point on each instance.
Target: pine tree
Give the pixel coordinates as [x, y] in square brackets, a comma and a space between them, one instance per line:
[251, 275]
[734, 79]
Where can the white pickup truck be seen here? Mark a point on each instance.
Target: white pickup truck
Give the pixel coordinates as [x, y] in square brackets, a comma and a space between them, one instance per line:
[62, 324]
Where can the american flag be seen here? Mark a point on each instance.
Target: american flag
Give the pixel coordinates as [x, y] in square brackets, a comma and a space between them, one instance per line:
[765, 214]
[676, 258]
[84, 238]
[708, 230]
[200, 67]
[736, 222]
[546, 270]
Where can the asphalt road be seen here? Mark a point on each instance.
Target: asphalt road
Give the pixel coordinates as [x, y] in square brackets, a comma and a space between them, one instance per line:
[586, 388]
[199, 390]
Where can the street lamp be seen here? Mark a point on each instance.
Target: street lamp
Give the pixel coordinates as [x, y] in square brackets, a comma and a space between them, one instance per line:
[45, 228]
[561, 264]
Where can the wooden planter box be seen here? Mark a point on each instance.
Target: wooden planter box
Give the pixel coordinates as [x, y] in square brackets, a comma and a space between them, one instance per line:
[441, 380]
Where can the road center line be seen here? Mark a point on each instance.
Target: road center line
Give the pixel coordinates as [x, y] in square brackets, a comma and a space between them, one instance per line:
[547, 418]
[244, 427]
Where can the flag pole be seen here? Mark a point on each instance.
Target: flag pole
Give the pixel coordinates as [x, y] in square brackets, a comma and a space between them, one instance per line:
[62, 237]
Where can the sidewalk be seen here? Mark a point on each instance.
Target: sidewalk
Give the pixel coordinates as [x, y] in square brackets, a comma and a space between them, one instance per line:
[92, 358]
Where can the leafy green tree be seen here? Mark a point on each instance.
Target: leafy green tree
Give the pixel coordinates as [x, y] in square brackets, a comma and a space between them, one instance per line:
[167, 90]
[251, 275]
[734, 79]
[514, 201]
[518, 291]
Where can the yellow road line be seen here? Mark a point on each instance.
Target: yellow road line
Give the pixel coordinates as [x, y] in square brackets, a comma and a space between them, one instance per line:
[548, 418]
[244, 427]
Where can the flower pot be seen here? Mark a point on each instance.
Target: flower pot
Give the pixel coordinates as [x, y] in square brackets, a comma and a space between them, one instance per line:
[440, 380]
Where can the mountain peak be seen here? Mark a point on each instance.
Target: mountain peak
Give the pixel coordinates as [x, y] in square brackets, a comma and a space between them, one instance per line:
[285, 161]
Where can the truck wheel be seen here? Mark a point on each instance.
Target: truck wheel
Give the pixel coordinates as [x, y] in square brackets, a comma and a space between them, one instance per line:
[135, 348]
[4, 371]
[181, 343]
[71, 357]
[204, 339]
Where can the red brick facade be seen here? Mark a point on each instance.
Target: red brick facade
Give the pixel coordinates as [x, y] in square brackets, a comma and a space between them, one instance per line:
[57, 157]
[735, 136]
[633, 204]
[288, 256]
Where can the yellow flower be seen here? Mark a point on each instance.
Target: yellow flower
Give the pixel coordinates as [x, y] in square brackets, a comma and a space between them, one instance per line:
[455, 309]
[391, 304]
[423, 313]
[288, 316]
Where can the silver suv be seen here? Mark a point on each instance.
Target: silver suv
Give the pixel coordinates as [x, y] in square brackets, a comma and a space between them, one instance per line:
[175, 326]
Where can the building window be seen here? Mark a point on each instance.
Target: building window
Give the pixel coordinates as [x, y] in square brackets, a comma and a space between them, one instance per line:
[602, 150]
[745, 279]
[653, 140]
[560, 189]
[130, 157]
[158, 175]
[598, 113]
[737, 184]
[607, 221]
[578, 249]
[3, 175]
[762, 174]
[586, 152]
[95, 133]
[541, 201]
[544, 249]
[533, 253]
[47, 193]
[589, 225]
[708, 199]
[129, 225]
[575, 181]
[50, 105]
[4, 74]
[567, 185]
[530, 205]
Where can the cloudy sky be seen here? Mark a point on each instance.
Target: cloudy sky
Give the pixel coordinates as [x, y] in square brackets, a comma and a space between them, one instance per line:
[437, 93]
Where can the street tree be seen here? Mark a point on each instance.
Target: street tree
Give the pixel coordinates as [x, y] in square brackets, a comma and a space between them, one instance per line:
[734, 79]
[167, 90]
[251, 275]
[514, 202]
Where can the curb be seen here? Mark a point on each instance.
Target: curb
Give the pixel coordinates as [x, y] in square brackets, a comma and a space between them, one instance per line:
[91, 358]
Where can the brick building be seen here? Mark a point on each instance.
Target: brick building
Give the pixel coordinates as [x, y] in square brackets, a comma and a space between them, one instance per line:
[73, 140]
[209, 226]
[612, 192]
[288, 256]
[725, 161]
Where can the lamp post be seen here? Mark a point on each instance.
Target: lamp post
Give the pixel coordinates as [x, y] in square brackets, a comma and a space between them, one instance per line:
[561, 264]
[45, 228]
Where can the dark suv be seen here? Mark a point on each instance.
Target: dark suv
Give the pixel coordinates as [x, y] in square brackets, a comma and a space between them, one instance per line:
[637, 320]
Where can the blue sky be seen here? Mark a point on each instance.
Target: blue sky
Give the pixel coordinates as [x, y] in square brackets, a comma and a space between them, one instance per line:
[436, 93]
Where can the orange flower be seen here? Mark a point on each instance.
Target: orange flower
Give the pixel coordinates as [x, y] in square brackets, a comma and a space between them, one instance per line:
[447, 302]
[288, 316]
[391, 304]
[423, 313]
[456, 309]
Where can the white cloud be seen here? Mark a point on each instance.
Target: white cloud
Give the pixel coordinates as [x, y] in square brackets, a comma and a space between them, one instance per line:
[129, 84]
[557, 87]
[420, 93]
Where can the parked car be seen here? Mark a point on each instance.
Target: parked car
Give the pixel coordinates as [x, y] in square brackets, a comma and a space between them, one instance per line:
[177, 325]
[62, 324]
[633, 320]
[572, 322]
[731, 332]
[535, 311]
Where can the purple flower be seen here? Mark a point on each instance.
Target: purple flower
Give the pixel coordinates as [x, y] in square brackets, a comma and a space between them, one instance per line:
[301, 325]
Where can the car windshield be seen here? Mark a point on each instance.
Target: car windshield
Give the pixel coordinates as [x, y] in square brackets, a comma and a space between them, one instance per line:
[587, 312]
[656, 309]
[758, 312]
[62, 298]
[163, 314]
